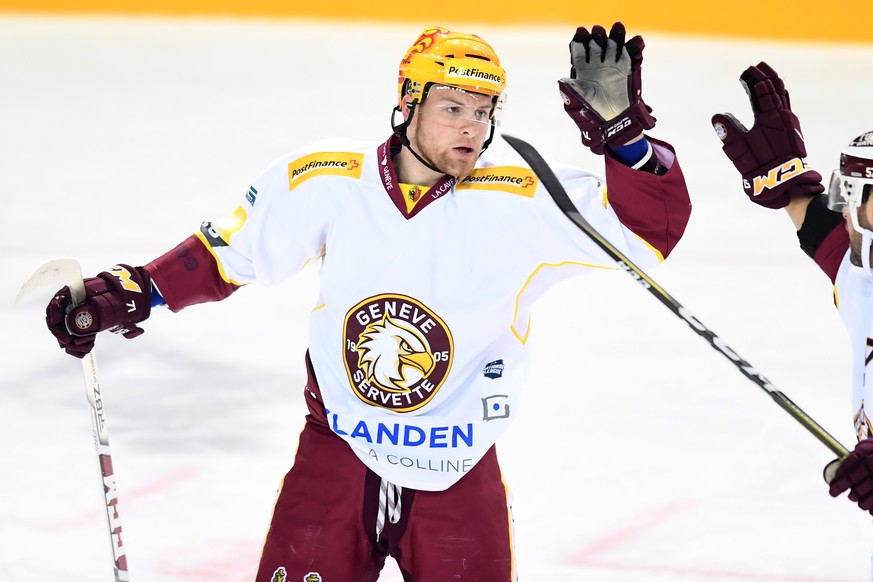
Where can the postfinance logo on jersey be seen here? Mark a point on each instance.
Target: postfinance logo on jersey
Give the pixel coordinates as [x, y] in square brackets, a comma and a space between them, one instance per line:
[397, 352]
[348, 164]
[512, 179]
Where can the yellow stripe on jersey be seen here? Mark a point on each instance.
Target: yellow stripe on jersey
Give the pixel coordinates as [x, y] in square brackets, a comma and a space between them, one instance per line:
[315, 258]
[511, 525]
[211, 250]
[522, 337]
[512, 179]
[230, 224]
[347, 164]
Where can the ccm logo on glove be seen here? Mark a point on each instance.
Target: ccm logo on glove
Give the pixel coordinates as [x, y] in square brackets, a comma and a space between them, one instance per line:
[777, 176]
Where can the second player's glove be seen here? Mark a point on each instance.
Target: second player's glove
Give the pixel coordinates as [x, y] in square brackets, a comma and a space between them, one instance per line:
[116, 300]
[603, 93]
[855, 474]
[770, 155]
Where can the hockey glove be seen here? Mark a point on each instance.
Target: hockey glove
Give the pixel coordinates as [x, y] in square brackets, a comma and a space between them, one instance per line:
[116, 300]
[603, 94]
[855, 474]
[770, 155]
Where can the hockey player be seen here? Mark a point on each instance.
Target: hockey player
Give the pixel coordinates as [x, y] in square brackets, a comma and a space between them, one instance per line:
[432, 249]
[835, 229]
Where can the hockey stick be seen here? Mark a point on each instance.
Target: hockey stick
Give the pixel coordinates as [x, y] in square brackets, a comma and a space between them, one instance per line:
[68, 272]
[557, 192]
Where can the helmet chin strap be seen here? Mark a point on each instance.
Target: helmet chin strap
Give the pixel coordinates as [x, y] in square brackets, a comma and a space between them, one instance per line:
[400, 131]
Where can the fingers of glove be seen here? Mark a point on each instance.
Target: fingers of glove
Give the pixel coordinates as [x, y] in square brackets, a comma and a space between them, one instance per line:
[761, 91]
[582, 35]
[842, 481]
[56, 309]
[616, 37]
[598, 43]
[579, 49]
[770, 73]
[856, 471]
[133, 331]
[55, 316]
[863, 490]
[866, 502]
[838, 486]
[80, 346]
[634, 48]
[778, 84]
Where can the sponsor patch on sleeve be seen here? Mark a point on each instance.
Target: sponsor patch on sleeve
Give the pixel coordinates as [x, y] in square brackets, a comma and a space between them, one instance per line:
[512, 179]
[347, 164]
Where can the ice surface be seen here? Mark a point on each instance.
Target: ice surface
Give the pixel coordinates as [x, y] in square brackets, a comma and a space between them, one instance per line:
[640, 453]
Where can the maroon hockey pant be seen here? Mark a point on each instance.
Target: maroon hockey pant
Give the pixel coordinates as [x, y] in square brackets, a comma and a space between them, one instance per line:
[324, 522]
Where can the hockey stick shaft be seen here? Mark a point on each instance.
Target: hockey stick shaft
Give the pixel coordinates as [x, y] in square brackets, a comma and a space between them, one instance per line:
[557, 192]
[68, 272]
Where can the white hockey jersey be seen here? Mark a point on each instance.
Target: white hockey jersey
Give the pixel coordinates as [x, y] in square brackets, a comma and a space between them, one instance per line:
[854, 293]
[418, 337]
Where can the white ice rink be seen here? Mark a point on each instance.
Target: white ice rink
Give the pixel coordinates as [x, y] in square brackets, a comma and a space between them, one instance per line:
[640, 454]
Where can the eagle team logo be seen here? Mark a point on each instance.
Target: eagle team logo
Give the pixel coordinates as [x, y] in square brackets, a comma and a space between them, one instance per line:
[397, 352]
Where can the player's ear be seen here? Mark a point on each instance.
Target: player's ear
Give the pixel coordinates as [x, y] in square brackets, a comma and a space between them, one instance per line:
[406, 106]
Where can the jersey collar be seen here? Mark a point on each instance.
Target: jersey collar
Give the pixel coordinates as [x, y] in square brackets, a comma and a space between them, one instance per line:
[388, 175]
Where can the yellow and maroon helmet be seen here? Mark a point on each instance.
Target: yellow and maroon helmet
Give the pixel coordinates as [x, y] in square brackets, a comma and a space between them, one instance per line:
[451, 59]
[454, 59]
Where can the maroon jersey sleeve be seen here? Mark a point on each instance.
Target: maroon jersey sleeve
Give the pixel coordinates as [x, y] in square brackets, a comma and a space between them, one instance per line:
[188, 275]
[655, 208]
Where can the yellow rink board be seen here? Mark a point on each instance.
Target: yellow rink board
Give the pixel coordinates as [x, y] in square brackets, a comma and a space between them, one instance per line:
[802, 20]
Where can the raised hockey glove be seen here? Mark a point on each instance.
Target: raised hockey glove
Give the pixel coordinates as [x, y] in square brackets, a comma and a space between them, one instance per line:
[603, 93]
[770, 155]
[855, 474]
[116, 300]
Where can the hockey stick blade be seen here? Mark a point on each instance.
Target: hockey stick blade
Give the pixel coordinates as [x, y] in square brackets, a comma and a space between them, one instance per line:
[66, 271]
[63, 271]
[551, 183]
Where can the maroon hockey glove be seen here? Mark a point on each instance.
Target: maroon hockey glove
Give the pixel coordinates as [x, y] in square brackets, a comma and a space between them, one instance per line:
[855, 474]
[116, 300]
[603, 94]
[770, 154]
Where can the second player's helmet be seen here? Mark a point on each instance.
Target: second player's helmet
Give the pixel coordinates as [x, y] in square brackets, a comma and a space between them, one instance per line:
[851, 187]
[440, 56]
[852, 184]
